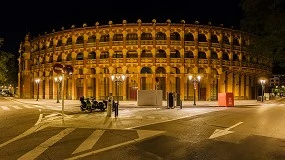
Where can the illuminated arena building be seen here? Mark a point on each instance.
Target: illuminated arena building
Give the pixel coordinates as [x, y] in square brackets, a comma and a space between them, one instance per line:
[151, 55]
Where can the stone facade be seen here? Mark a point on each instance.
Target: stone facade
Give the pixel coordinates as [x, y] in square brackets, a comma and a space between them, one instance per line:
[152, 56]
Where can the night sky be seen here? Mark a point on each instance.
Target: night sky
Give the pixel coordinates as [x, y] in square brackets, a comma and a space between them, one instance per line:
[42, 16]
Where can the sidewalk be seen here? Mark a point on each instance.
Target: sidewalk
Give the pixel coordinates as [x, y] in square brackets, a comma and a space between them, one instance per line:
[133, 104]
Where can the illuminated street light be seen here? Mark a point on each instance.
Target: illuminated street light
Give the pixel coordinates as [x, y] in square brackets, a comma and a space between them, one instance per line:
[58, 80]
[117, 79]
[195, 81]
[37, 82]
[262, 82]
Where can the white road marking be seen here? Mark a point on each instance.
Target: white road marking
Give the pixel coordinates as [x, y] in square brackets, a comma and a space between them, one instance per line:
[33, 154]
[5, 108]
[143, 134]
[16, 107]
[89, 142]
[38, 106]
[222, 132]
[27, 106]
[40, 119]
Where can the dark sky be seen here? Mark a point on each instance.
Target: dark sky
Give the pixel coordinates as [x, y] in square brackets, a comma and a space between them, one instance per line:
[42, 16]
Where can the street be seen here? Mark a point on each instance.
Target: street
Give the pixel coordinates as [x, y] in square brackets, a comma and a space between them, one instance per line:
[199, 133]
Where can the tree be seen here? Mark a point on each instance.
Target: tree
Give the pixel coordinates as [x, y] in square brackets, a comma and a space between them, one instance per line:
[265, 19]
[8, 69]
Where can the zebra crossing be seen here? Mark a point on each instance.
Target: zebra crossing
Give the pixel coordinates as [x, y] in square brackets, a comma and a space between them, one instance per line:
[81, 142]
[25, 106]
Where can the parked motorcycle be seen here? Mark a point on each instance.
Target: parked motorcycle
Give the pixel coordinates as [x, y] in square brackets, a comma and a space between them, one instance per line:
[86, 104]
[98, 105]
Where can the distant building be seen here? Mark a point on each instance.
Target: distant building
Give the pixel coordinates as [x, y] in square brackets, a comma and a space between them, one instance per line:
[151, 55]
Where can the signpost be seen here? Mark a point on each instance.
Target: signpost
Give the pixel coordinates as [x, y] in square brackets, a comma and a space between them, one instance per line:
[60, 69]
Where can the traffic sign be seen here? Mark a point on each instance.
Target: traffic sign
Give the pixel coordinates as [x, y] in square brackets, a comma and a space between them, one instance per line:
[68, 69]
[58, 68]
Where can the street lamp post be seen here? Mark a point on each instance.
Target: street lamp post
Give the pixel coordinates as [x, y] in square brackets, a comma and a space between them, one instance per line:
[117, 79]
[262, 82]
[195, 81]
[38, 88]
[58, 80]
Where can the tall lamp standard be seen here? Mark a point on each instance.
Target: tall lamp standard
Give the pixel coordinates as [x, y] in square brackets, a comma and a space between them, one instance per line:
[195, 81]
[117, 79]
[58, 80]
[37, 82]
[262, 82]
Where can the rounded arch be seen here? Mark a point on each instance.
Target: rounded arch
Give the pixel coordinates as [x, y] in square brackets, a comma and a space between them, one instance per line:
[175, 54]
[235, 57]
[202, 38]
[174, 70]
[146, 36]
[214, 55]
[189, 54]
[160, 36]
[104, 38]
[146, 54]
[146, 70]
[160, 70]
[59, 58]
[132, 36]
[214, 38]
[92, 55]
[160, 53]
[132, 54]
[59, 43]
[188, 37]
[236, 41]
[131, 70]
[175, 36]
[68, 57]
[80, 40]
[226, 40]
[225, 56]
[79, 56]
[92, 39]
[69, 41]
[118, 37]
[202, 55]
[201, 71]
[104, 55]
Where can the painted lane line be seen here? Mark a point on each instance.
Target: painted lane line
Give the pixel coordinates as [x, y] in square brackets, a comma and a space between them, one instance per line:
[27, 106]
[39, 120]
[16, 107]
[37, 106]
[51, 115]
[26, 133]
[89, 142]
[143, 134]
[5, 108]
[33, 154]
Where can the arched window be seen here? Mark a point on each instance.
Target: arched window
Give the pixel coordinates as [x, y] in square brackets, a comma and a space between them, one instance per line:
[202, 55]
[175, 54]
[68, 57]
[50, 59]
[225, 56]
[235, 57]
[226, 40]
[132, 36]
[69, 41]
[104, 38]
[59, 43]
[50, 44]
[132, 54]
[214, 55]
[188, 37]
[202, 38]
[118, 54]
[236, 41]
[160, 54]
[146, 70]
[189, 54]
[80, 56]
[92, 39]
[80, 40]
[214, 39]
[80, 71]
[104, 55]
[160, 70]
[59, 58]
[118, 37]
[175, 36]
[92, 70]
[92, 55]
[146, 54]
[146, 36]
[160, 36]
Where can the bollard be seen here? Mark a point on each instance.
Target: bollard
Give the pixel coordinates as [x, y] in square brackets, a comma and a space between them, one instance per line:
[180, 104]
[116, 110]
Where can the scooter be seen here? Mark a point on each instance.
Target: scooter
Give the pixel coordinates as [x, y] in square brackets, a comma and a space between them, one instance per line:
[98, 105]
[85, 104]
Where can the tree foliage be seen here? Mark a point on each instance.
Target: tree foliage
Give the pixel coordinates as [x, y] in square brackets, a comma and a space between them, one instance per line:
[8, 69]
[266, 20]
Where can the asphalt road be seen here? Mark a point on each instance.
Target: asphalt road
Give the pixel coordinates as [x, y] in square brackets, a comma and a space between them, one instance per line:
[242, 133]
